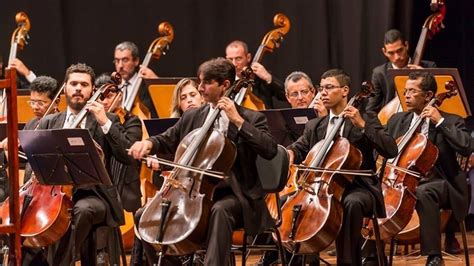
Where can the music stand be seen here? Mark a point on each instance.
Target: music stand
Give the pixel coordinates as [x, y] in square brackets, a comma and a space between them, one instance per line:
[3, 129]
[157, 126]
[455, 105]
[287, 125]
[64, 157]
[161, 93]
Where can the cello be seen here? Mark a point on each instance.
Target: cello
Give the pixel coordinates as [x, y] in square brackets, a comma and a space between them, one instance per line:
[432, 25]
[175, 221]
[270, 41]
[416, 156]
[312, 217]
[19, 40]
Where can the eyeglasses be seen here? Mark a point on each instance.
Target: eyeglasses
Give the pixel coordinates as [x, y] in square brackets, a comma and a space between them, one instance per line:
[327, 87]
[411, 91]
[303, 93]
[124, 60]
[40, 103]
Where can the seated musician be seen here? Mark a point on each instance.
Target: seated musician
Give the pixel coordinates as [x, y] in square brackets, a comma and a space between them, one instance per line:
[186, 95]
[93, 205]
[127, 61]
[395, 49]
[266, 85]
[446, 187]
[364, 131]
[240, 200]
[300, 92]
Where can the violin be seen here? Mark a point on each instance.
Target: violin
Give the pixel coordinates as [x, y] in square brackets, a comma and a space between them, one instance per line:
[18, 42]
[270, 41]
[312, 216]
[416, 156]
[432, 25]
[175, 220]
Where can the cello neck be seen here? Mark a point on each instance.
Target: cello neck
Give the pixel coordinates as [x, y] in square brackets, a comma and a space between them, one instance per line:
[136, 86]
[13, 52]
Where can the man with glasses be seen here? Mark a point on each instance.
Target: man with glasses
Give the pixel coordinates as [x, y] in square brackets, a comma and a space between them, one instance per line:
[363, 197]
[446, 185]
[126, 61]
[300, 92]
[395, 49]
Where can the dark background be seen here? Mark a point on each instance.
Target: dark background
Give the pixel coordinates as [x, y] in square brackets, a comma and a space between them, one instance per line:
[324, 34]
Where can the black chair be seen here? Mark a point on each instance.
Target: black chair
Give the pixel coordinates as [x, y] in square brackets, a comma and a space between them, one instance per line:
[273, 176]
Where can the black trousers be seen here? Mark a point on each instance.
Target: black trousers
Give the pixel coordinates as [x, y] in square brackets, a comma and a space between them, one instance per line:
[431, 197]
[357, 204]
[225, 217]
[88, 211]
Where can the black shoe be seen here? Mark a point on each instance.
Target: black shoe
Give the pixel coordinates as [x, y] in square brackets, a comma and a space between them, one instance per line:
[434, 261]
[370, 261]
[332, 252]
[452, 246]
[268, 258]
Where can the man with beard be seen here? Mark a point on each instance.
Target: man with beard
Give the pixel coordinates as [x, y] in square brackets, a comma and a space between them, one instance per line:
[126, 61]
[93, 204]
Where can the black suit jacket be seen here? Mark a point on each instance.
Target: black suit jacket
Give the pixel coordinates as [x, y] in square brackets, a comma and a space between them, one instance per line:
[374, 137]
[450, 137]
[253, 139]
[384, 89]
[266, 91]
[112, 145]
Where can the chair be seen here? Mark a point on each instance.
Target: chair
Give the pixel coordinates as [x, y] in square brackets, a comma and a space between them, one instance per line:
[273, 176]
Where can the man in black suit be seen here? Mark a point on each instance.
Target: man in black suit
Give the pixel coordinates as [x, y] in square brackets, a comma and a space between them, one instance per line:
[266, 85]
[239, 201]
[98, 204]
[446, 187]
[127, 61]
[363, 196]
[395, 49]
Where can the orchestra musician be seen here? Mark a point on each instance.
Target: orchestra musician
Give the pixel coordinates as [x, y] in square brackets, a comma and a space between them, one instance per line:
[239, 201]
[126, 61]
[395, 49]
[300, 92]
[364, 131]
[446, 187]
[186, 95]
[266, 85]
[97, 204]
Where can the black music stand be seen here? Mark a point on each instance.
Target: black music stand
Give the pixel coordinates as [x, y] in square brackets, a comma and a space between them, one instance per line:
[64, 157]
[287, 125]
[157, 126]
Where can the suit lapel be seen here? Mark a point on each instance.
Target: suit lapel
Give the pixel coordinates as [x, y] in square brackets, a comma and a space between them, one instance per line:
[322, 128]
[347, 128]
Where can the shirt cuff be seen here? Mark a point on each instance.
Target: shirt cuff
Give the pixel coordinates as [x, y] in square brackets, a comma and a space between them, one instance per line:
[440, 121]
[106, 126]
[31, 76]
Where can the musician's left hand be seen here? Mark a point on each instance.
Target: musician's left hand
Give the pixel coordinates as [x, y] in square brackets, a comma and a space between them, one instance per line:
[432, 113]
[146, 73]
[353, 114]
[98, 110]
[228, 106]
[261, 72]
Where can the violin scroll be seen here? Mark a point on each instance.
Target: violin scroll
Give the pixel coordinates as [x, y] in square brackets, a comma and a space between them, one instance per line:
[112, 86]
[451, 90]
[366, 91]
[161, 44]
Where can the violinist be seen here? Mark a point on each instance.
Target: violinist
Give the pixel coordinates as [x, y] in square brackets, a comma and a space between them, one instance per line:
[239, 200]
[395, 49]
[97, 204]
[126, 61]
[266, 85]
[446, 187]
[363, 196]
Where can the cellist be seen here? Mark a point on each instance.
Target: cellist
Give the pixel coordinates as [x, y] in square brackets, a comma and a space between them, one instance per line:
[446, 187]
[240, 200]
[364, 131]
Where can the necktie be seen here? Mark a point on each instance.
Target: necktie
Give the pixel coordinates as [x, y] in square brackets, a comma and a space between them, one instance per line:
[331, 124]
[70, 120]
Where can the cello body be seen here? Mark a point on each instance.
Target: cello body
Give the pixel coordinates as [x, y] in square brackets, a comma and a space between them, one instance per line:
[190, 197]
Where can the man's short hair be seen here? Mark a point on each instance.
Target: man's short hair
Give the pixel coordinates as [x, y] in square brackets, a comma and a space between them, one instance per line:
[80, 68]
[237, 43]
[428, 82]
[218, 69]
[44, 84]
[128, 46]
[340, 75]
[392, 36]
[295, 77]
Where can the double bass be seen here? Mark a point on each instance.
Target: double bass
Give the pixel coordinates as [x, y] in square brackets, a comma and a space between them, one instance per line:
[270, 41]
[18, 42]
[432, 25]
[312, 217]
[175, 221]
[416, 156]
